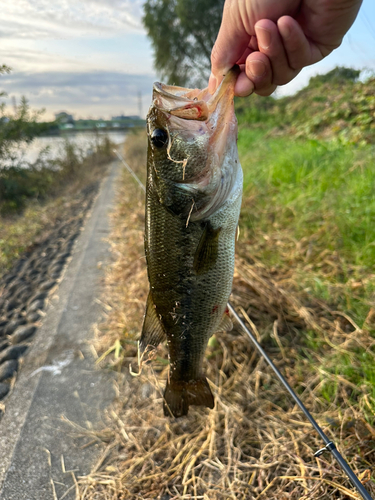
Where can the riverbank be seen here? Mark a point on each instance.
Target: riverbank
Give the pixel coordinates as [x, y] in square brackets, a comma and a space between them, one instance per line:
[54, 146]
[34, 200]
[35, 244]
[255, 443]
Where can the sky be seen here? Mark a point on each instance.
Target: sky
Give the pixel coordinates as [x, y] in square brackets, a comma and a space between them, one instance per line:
[92, 58]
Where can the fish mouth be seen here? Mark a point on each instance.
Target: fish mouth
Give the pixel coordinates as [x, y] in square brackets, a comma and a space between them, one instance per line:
[195, 104]
[191, 113]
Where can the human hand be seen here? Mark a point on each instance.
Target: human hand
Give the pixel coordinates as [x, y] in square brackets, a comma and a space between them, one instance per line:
[272, 40]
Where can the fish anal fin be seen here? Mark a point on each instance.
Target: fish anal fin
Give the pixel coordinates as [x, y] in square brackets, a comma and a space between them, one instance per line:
[179, 395]
[207, 251]
[225, 324]
[153, 331]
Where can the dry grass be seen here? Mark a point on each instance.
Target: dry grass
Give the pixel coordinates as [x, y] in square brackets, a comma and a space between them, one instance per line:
[255, 444]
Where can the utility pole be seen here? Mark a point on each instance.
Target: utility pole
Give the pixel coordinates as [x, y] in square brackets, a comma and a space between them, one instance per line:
[140, 103]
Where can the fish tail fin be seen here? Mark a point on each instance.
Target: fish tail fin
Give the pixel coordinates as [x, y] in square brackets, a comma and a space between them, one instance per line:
[179, 395]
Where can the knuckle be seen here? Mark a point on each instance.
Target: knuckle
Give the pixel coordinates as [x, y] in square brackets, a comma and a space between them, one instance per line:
[213, 55]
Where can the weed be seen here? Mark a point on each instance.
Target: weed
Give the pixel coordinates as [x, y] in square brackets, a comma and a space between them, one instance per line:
[253, 444]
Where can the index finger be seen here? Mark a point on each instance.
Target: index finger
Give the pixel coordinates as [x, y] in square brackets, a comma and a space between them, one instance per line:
[232, 41]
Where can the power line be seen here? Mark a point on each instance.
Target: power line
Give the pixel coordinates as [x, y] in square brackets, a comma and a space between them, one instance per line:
[367, 23]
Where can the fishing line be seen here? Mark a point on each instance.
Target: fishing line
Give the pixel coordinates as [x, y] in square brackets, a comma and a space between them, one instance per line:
[131, 171]
[329, 445]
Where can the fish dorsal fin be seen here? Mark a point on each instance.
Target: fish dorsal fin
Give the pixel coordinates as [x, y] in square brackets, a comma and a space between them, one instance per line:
[226, 324]
[153, 331]
[207, 250]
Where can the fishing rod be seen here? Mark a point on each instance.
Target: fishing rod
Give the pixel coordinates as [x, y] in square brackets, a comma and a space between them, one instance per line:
[329, 445]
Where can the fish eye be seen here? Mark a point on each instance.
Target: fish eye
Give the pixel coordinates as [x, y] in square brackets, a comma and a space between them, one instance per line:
[159, 137]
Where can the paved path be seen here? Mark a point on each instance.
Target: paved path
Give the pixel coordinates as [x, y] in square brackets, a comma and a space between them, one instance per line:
[58, 377]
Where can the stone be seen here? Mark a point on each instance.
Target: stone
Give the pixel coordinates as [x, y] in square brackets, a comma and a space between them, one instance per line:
[12, 352]
[33, 317]
[16, 285]
[13, 325]
[35, 306]
[4, 389]
[37, 296]
[22, 333]
[56, 269]
[10, 305]
[11, 314]
[32, 273]
[47, 285]
[22, 292]
[4, 343]
[63, 256]
[9, 278]
[8, 368]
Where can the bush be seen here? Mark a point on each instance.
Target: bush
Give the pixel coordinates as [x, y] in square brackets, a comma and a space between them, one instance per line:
[18, 184]
[332, 106]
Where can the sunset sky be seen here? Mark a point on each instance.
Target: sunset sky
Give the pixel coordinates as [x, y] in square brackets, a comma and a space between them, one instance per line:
[92, 57]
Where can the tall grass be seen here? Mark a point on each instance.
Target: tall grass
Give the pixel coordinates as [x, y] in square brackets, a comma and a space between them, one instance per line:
[309, 215]
[322, 191]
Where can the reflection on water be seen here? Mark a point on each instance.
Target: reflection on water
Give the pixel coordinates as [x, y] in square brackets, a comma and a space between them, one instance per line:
[83, 140]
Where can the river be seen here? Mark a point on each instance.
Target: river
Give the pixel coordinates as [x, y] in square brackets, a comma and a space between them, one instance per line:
[83, 140]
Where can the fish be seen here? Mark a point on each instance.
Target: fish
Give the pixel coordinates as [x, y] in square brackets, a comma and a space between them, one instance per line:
[193, 200]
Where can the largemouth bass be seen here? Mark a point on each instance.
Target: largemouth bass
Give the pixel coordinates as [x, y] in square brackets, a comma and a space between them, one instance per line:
[193, 199]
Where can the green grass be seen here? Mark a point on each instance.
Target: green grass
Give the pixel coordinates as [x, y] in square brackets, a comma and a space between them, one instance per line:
[335, 105]
[314, 189]
[309, 210]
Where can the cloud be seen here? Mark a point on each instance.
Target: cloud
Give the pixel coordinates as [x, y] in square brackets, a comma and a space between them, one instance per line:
[42, 18]
[97, 93]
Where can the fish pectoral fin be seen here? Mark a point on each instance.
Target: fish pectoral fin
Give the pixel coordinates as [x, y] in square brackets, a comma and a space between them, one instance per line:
[207, 250]
[226, 324]
[179, 395]
[153, 331]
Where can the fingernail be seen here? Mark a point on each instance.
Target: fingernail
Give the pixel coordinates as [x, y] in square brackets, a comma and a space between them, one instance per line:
[257, 68]
[264, 37]
[212, 84]
[284, 30]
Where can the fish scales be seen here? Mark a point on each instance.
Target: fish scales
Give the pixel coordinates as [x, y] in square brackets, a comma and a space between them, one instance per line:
[193, 199]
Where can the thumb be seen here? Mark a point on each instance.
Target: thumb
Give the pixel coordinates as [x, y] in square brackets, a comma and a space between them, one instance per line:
[232, 41]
